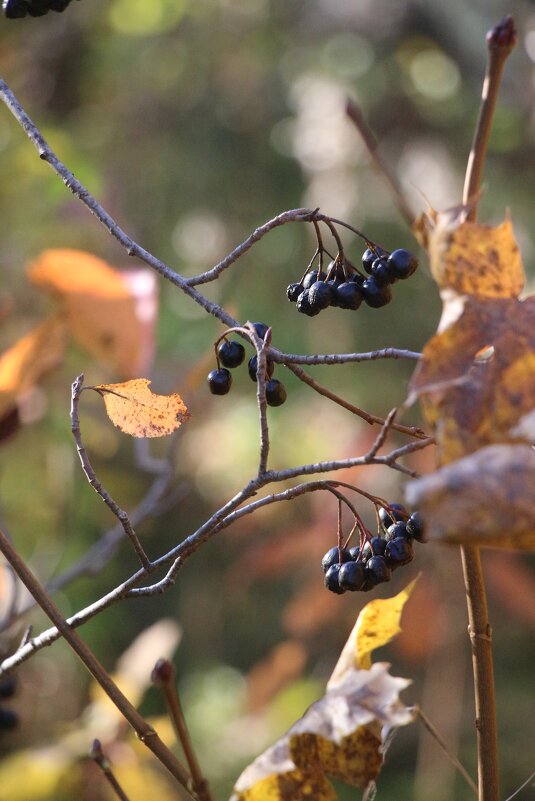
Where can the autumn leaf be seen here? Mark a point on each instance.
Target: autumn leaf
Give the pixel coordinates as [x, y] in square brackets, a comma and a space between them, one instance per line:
[485, 499]
[339, 737]
[111, 314]
[136, 410]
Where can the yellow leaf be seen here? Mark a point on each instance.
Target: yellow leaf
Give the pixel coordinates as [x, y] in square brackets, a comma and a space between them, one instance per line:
[377, 624]
[136, 410]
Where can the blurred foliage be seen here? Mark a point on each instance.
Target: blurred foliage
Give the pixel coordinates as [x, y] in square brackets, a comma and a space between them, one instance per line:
[193, 122]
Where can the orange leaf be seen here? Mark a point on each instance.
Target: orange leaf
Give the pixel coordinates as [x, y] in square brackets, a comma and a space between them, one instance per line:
[136, 410]
[29, 359]
[111, 314]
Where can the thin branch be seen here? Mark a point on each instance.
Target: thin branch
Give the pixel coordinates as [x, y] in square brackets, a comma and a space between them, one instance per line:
[145, 732]
[262, 348]
[522, 786]
[97, 755]
[119, 513]
[344, 358]
[442, 743]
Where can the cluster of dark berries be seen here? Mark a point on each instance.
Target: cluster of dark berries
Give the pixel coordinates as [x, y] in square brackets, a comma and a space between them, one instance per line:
[8, 718]
[230, 354]
[363, 568]
[345, 287]
[14, 9]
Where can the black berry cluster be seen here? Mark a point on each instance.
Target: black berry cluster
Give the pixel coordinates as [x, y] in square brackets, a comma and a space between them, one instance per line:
[230, 354]
[346, 287]
[8, 718]
[14, 9]
[362, 568]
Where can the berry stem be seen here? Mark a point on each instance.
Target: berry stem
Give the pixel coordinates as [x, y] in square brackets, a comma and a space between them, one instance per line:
[98, 756]
[485, 694]
[500, 43]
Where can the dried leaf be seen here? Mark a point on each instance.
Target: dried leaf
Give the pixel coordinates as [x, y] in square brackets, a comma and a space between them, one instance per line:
[23, 365]
[136, 410]
[340, 736]
[111, 314]
[484, 499]
[377, 624]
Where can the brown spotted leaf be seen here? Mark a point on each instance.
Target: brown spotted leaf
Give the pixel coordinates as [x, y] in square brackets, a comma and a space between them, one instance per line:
[136, 410]
[339, 737]
[484, 499]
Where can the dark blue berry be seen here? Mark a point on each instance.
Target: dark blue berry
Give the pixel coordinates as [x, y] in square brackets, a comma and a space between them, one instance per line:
[331, 580]
[8, 686]
[320, 295]
[332, 557]
[312, 277]
[231, 353]
[374, 294]
[304, 306]
[349, 295]
[398, 513]
[399, 552]
[275, 393]
[293, 292]
[352, 576]
[381, 273]
[354, 553]
[252, 366]
[396, 530]
[261, 329]
[415, 527]
[401, 263]
[219, 381]
[377, 570]
[8, 719]
[369, 256]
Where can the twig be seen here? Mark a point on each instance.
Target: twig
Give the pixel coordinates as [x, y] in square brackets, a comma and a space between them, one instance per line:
[519, 789]
[262, 347]
[439, 739]
[145, 732]
[119, 513]
[97, 755]
[501, 41]
[344, 358]
[163, 676]
[357, 118]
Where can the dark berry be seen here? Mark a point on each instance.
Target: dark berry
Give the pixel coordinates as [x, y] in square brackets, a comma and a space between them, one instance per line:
[332, 557]
[401, 263]
[375, 547]
[275, 393]
[374, 294]
[396, 530]
[354, 553]
[261, 329]
[369, 256]
[335, 271]
[366, 551]
[334, 284]
[381, 273]
[398, 552]
[312, 277]
[398, 513]
[252, 366]
[231, 353]
[305, 307]
[8, 719]
[219, 381]
[8, 686]
[377, 569]
[349, 295]
[331, 579]
[415, 527]
[352, 576]
[293, 292]
[320, 294]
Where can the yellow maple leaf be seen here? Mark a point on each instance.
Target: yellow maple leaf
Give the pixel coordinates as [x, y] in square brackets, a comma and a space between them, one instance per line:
[136, 410]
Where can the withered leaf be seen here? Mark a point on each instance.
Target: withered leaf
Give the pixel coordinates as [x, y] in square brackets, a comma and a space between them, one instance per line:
[340, 736]
[485, 498]
[136, 410]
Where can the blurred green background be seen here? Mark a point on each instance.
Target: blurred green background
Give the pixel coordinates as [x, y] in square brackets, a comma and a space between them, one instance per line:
[192, 123]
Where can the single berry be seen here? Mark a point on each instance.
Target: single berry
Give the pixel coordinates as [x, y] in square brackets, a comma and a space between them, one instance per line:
[374, 547]
[8, 687]
[398, 513]
[415, 527]
[332, 557]
[352, 576]
[261, 329]
[293, 292]
[334, 284]
[331, 579]
[398, 552]
[396, 530]
[8, 719]
[377, 569]
[231, 353]
[369, 256]
[219, 381]
[304, 306]
[374, 294]
[320, 295]
[252, 366]
[349, 295]
[381, 273]
[401, 263]
[312, 277]
[354, 553]
[275, 393]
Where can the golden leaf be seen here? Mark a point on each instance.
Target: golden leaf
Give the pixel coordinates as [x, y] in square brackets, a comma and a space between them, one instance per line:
[340, 736]
[136, 410]
[485, 498]
[377, 624]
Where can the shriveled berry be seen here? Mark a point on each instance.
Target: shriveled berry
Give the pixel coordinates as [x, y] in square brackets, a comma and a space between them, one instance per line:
[369, 256]
[401, 263]
[252, 366]
[398, 513]
[396, 530]
[374, 294]
[349, 295]
[304, 306]
[332, 557]
[275, 393]
[399, 552]
[320, 295]
[331, 580]
[293, 292]
[261, 329]
[8, 719]
[377, 569]
[231, 353]
[8, 687]
[219, 381]
[312, 277]
[381, 273]
[352, 576]
[415, 527]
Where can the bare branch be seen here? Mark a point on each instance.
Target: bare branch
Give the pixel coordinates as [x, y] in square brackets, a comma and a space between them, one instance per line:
[344, 358]
[98, 756]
